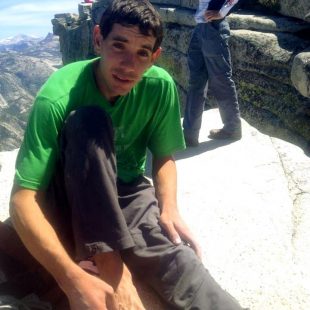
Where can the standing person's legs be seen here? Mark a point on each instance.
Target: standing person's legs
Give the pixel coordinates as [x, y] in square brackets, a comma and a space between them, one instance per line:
[174, 271]
[218, 61]
[197, 83]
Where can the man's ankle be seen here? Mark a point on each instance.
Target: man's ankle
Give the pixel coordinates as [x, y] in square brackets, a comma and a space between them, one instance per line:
[110, 267]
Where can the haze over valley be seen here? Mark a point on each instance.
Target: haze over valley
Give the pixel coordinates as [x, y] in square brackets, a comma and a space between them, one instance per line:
[25, 64]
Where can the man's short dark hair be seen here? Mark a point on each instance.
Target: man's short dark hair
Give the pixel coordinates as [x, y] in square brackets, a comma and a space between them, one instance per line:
[129, 13]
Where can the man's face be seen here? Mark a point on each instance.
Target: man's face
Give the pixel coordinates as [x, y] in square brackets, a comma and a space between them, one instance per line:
[125, 55]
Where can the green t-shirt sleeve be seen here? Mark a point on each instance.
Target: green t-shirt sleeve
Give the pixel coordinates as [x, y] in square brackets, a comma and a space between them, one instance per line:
[166, 134]
[37, 156]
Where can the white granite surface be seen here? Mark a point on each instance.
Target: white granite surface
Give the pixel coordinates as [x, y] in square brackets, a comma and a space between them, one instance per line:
[248, 204]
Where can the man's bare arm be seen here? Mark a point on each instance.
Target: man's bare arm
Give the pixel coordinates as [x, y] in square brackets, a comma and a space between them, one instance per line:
[165, 182]
[83, 290]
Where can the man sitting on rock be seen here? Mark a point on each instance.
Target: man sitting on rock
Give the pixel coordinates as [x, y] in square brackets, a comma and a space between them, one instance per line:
[80, 199]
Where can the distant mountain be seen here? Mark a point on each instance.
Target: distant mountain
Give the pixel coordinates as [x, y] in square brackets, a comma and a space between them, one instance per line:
[25, 64]
[19, 39]
[46, 48]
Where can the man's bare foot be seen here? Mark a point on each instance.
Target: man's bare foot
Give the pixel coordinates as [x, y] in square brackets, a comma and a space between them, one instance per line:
[114, 272]
[126, 293]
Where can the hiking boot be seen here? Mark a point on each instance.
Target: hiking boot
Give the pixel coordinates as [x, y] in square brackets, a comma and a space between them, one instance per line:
[191, 142]
[223, 134]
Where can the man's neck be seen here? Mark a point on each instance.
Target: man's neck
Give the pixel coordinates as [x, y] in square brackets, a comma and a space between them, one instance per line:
[100, 83]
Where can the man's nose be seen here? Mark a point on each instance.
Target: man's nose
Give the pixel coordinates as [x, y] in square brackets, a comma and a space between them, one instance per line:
[128, 62]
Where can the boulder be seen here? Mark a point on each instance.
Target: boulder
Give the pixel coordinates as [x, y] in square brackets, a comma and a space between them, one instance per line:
[266, 22]
[262, 69]
[71, 33]
[85, 10]
[300, 74]
[295, 8]
[174, 15]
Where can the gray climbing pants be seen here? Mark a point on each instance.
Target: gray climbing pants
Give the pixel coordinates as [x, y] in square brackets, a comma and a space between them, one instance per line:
[209, 65]
[101, 213]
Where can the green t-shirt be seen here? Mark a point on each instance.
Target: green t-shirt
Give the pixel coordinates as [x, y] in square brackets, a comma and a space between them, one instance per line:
[147, 117]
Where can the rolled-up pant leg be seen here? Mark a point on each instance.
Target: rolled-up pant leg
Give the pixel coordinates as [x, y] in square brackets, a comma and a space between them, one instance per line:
[84, 191]
[175, 272]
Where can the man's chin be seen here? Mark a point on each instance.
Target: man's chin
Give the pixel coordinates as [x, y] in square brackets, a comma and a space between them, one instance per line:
[122, 91]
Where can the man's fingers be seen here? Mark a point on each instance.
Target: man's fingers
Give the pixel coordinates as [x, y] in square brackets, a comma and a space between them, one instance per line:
[188, 237]
[172, 233]
[177, 230]
[212, 15]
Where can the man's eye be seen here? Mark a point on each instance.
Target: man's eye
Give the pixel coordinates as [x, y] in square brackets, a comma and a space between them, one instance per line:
[118, 46]
[143, 53]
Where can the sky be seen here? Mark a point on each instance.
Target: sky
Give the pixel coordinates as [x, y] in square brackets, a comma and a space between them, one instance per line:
[31, 17]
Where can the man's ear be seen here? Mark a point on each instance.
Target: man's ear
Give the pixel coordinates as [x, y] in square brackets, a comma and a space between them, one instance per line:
[97, 39]
[156, 54]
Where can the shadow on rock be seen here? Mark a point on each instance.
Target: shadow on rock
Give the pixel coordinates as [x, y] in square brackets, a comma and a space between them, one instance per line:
[202, 148]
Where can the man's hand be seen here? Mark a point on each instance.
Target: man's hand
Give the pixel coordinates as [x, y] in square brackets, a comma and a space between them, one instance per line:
[88, 292]
[178, 230]
[211, 15]
[165, 181]
[85, 292]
